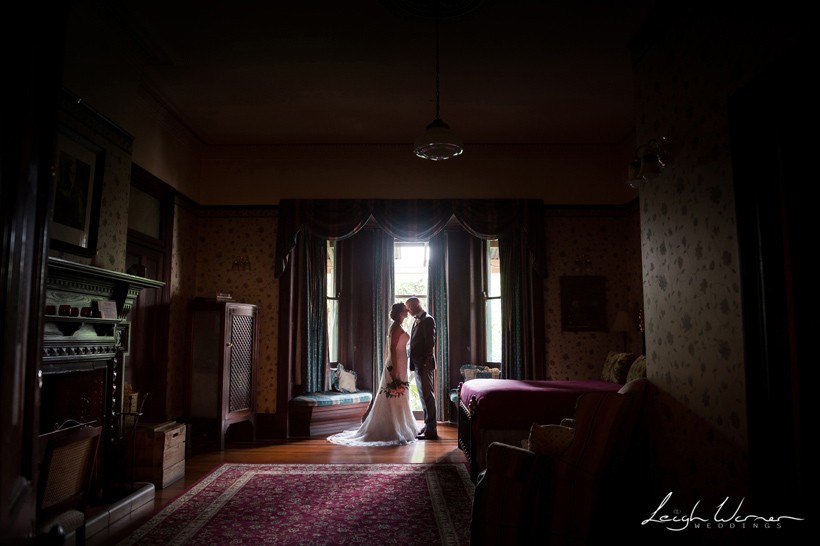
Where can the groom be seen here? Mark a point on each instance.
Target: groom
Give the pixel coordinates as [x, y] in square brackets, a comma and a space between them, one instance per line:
[423, 361]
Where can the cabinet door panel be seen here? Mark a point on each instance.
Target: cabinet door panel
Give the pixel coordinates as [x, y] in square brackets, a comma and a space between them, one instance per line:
[206, 352]
[241, 365]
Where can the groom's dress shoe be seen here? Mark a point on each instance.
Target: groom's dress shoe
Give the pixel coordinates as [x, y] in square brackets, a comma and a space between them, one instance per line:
[427, 436]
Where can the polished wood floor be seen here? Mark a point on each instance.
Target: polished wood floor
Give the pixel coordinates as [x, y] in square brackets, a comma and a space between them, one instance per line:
[315, 450]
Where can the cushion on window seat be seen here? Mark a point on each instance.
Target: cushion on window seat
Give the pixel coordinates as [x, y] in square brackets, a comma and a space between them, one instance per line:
[331, 398]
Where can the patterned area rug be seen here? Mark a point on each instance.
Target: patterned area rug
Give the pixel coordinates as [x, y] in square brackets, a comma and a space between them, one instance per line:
[319, 504]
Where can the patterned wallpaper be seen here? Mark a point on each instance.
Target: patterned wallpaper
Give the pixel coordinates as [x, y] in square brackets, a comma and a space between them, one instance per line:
[226, 235]
[690, 251]
[591, 241]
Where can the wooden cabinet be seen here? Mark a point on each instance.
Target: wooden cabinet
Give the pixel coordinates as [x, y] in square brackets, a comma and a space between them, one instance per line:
[223, 362]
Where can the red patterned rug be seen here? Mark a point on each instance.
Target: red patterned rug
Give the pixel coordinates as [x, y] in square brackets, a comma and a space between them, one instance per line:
[319, 504]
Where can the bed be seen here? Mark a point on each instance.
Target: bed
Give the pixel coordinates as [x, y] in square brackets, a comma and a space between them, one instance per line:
[503, 410]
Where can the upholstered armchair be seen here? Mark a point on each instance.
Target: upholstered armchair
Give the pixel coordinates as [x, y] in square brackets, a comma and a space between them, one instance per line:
[567, 487]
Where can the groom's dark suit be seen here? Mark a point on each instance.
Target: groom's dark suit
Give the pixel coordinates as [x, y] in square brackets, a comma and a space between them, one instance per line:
[423, 361]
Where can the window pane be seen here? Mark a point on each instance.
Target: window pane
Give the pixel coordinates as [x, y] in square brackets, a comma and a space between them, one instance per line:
[493, 329]
[331, 269]
[333, 329]
[410, 270]
[492, 305]
[493, 272]
[332, 303]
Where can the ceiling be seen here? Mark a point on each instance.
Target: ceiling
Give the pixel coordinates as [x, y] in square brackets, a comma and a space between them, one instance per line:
[321, 72]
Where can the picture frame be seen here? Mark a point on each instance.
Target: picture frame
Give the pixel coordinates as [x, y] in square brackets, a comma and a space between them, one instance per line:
[583, 303]
[105, 309]
[76, 194]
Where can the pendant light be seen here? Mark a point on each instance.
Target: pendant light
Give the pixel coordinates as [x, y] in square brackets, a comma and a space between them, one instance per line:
[438, 142]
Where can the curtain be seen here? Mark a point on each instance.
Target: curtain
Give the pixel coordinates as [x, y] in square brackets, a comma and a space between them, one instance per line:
[311, 372]
[522, 338]
[437, 285]
[410, 219]
[329, 219]
[517, 223]
[382, 301]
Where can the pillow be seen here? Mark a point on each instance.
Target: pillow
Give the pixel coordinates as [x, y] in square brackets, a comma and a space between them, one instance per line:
[344, 380]
[549, 439]
[472, 371]
[616, 366]
[637, 370]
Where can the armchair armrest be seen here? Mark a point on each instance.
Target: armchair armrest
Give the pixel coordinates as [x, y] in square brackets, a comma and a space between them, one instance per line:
[505, 495]
[508, 460]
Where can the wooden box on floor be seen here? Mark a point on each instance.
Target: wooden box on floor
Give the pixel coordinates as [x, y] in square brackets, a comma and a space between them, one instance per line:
[159, 455]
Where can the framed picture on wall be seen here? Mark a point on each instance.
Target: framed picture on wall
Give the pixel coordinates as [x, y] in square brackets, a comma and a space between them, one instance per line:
[583, 303]
[76, 194]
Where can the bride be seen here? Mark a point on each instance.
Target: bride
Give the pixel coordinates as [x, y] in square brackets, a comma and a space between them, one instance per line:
[389, 420]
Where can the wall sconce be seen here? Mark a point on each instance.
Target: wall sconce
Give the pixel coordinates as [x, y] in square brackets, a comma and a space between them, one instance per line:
[582, 264]
[650, 160]
[241, 263]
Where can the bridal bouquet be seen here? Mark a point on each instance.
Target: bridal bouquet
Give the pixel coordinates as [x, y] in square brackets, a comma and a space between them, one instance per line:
[395, 388]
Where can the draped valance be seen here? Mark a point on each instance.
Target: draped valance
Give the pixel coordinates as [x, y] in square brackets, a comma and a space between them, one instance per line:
[411, 219]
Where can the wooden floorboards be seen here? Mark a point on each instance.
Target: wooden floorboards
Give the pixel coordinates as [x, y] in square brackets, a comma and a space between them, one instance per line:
[314, 450]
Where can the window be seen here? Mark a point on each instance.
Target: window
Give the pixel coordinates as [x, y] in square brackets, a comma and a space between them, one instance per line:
[332, 302]
[411, 280]
[492, 301]
[411, 274]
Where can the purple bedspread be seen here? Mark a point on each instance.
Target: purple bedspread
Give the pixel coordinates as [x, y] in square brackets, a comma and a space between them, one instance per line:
[514, 403]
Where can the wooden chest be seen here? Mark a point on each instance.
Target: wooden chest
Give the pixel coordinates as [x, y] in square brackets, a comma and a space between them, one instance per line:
[159, 453]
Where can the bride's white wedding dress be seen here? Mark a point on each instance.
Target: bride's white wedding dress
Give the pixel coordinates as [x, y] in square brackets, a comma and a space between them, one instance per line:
[390, 421]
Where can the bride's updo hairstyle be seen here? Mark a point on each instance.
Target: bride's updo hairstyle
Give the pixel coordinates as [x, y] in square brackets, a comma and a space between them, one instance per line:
[396, 311]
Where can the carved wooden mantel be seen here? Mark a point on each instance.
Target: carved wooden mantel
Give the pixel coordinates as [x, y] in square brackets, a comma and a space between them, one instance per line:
[79, 285]
[81, 371]
[96, 282]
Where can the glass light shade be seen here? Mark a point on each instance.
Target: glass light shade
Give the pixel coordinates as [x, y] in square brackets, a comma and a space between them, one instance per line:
[652, 164]
[633, 177]
[438, 142]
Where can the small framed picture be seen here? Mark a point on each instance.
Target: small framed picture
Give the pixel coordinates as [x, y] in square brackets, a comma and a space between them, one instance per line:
[77, 192]
[583, 303]
[106, 309]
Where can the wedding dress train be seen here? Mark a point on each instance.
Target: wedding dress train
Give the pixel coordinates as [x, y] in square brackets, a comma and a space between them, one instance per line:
[390, 421]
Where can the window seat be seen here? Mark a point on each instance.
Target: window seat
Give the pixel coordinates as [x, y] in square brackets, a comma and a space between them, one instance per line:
[321, 413]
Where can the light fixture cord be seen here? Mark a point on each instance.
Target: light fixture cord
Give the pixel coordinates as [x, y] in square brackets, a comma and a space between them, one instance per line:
[437, 64]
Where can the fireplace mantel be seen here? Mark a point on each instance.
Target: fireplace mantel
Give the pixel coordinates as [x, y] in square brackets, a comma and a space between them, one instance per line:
[96, 283]
[79, 338]
[81, 371]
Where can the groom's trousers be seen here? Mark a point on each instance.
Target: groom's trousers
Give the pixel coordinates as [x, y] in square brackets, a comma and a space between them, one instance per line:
[425, 381]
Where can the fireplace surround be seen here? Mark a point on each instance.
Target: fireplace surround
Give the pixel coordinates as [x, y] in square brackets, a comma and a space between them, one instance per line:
[81, 375]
